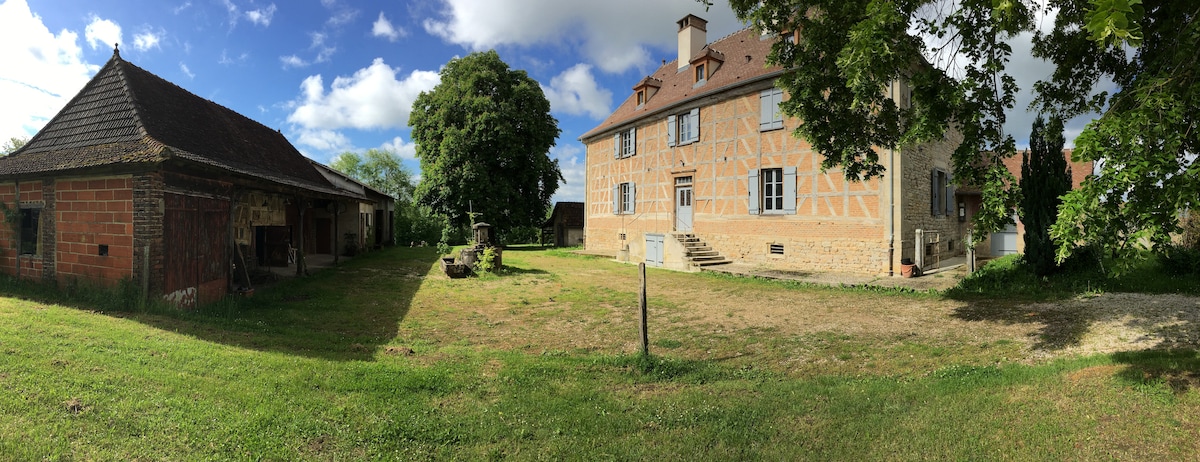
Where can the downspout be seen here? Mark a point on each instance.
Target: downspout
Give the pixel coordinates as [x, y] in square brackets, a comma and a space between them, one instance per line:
[891, 220]
[17, 229]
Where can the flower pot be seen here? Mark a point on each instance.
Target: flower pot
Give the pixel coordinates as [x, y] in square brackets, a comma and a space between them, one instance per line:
[909, 271]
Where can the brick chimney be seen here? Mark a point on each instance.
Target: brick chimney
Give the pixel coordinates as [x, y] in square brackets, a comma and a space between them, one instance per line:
[691, 38]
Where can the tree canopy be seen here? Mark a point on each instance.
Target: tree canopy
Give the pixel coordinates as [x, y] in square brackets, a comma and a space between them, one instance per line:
[13, 144]
[378, 168]
[955, 56]
[483, 137]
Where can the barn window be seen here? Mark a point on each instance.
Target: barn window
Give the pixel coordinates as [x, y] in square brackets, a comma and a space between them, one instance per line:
[31, 220]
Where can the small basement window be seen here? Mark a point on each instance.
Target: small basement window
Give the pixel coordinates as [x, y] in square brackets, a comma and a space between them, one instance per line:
[776, 249]
[31, 220]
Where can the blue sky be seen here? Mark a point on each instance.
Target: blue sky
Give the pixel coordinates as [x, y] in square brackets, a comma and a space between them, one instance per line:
[341, 75]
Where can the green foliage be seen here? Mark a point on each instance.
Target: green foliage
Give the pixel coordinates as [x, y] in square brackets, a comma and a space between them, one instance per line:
[1181, 260]
[485, 262]
[1011, 278]
[483, 137]
[955, 56]
[13, 144]
[1044, 179]
[1145, 141]
[380, 169]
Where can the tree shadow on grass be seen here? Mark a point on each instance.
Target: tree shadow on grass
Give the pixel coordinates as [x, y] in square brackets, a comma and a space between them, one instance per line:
[1136, 321]
[345, 312]
[1177, 369]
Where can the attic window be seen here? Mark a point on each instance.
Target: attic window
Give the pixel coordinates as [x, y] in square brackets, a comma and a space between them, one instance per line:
[641, 97]
[700, 75]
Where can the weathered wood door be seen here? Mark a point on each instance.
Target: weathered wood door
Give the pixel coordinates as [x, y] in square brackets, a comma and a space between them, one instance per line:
[195, 260]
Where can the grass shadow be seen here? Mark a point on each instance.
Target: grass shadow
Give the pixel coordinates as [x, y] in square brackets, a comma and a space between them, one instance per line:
[1070, 303]
[344, 312]
[1177, 370]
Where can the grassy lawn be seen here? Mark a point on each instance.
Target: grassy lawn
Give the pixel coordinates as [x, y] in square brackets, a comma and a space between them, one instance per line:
[386, 358]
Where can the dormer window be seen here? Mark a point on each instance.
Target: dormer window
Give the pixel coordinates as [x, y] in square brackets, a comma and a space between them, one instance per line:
[700, 75]
[641, 97]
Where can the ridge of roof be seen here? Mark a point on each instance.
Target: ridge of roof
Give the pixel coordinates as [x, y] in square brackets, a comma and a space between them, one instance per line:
[677, 88]
[126, 115]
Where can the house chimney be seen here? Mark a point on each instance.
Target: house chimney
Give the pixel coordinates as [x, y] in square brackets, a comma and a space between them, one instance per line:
[691, 38]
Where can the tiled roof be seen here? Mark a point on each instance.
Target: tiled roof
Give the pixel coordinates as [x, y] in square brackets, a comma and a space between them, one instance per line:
[571, 213]
[744, 53]
[126, 116]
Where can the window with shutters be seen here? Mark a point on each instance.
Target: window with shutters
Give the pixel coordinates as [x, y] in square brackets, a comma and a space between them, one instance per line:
[625, 143]
[624, 198]
[941, 193]
[773, 191]
[683, 128]
[770, 117]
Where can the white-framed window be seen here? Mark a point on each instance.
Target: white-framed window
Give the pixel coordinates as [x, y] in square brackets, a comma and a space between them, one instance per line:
[625, 143]
[624, 198]
[941, 193]
[683, 128]
[770, 117]
[701, 76]
[772, 191]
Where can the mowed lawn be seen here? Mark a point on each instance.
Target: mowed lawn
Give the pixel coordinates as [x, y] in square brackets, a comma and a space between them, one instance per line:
[385, 358]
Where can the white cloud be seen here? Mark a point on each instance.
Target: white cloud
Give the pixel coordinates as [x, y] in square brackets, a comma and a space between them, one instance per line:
[233, 13]
[102, 33]
[226, 60]
[612, 36]
[574, 172]
[325, 140]
[575, 92]
[402, 148]
[262, 16]
[41, 75]
[342, 18]
[292, 61]
[372, 98]
[180, 8]
[384, 28]
[188, 72]
[147, 40]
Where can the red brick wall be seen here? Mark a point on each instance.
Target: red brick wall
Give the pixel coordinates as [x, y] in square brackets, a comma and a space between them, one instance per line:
[90, 213]
[8, 241]
[27, 266]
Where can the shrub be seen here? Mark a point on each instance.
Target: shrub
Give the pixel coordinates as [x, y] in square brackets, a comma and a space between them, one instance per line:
[1180, 260]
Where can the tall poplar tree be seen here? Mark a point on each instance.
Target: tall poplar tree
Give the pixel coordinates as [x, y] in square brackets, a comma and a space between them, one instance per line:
[1045, 178]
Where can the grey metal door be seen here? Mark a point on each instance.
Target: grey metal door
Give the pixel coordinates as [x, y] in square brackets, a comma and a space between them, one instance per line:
[683, 208]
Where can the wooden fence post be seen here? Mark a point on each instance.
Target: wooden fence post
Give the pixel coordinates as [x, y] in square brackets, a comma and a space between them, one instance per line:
[645, 339]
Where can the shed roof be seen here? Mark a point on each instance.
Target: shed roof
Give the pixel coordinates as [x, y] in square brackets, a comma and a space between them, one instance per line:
[128, 116]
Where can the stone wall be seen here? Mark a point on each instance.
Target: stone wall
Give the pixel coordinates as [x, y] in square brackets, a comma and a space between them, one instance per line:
[837, 226]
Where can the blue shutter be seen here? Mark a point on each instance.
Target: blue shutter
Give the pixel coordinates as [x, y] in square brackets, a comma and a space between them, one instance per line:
[632, 198]
[776, 111]
[616, 199]
[617, 146]
[694, 122]
[950, 196]
[789, 190]
[934, 205]
[670, 130]
[765, 110]
[753, 186]
[632, 141]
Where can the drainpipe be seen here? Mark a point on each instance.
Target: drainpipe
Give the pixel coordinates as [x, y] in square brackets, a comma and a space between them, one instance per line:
[891, 220]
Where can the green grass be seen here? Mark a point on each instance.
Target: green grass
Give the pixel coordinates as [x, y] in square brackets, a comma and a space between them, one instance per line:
[1008, 277]
[379, 359]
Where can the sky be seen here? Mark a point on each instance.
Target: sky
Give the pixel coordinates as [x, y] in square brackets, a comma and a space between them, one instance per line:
[341, 75]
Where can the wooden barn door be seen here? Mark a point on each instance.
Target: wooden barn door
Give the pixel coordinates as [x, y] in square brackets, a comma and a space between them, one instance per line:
[194, 241]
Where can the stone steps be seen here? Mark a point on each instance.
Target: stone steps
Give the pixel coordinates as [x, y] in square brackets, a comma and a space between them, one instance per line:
[697, 252]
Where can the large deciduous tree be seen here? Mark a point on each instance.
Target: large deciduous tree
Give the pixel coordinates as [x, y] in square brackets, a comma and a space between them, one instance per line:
[483, 137]
[955, 55]
[1044, 179]
[378, 168]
